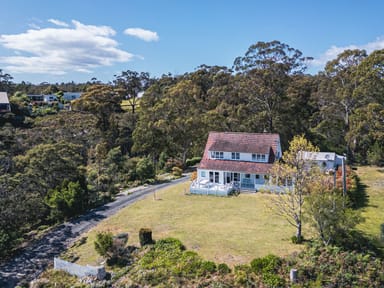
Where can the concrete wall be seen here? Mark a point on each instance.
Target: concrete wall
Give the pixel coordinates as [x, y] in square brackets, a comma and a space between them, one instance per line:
[79, 270]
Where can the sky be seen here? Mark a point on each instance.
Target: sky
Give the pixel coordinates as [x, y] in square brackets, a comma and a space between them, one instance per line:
[77, 40]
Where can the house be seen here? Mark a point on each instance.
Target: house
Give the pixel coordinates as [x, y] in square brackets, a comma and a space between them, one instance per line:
[234, 159]
[327, 161]
[4, 103]
[69, 96]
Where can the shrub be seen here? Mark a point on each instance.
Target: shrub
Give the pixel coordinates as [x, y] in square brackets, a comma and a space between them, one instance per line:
[177, 172]
[172, 162]
[193, 161]
[145, 237]
[207, 267]
[267, 264]
[103, 243]
[223, 269]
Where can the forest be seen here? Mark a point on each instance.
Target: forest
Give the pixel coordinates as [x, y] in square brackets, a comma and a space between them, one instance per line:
[59, 163]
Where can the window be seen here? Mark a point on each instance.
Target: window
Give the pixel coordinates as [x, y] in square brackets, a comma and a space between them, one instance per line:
[247, 176]
[258, 157]
[253, 157]
[236, 177]
[213, 177]
[257, 176]
[235, 156]
[216, 177]
[262, 157]
[202, 174]
[217, 155]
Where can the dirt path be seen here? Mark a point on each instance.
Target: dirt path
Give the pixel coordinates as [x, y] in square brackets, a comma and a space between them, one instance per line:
[34, 259]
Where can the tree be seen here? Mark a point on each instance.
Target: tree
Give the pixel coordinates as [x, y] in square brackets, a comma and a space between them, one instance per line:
[129, 84]
[294, 168]
[66, 201]
[145, 169]
[267, 68]
[102, 101]
[328, 214]
[5, 82]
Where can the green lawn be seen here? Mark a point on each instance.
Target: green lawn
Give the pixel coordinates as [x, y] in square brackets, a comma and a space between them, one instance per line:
[232, 230]
[373, 179]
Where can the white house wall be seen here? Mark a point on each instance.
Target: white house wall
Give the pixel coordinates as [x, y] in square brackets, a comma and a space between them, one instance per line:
[243, 157]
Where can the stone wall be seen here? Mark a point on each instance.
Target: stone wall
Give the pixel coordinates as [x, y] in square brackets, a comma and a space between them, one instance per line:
[79, 270]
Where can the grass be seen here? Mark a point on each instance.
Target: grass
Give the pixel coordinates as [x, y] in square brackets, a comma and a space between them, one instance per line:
[231, 230]
[373, 179]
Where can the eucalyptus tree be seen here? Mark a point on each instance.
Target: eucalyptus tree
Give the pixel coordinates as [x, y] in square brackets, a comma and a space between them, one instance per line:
[267, 68]
[129, 84]
[103, 102]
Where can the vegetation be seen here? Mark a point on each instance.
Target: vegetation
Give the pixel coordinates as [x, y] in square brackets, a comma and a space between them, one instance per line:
[60, 163]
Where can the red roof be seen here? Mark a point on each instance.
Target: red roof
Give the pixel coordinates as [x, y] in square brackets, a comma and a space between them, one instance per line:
[255, 143]
[235, 166]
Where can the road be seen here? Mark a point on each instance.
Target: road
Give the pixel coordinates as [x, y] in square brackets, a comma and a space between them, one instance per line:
[34, 259]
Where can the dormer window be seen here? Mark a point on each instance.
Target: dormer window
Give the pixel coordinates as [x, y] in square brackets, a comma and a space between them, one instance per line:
[217, 155]
[235, 156]
[258, 157]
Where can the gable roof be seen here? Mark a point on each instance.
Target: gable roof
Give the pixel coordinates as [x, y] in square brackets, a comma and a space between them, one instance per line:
[4, 98]
[242, 142]
[255, 143]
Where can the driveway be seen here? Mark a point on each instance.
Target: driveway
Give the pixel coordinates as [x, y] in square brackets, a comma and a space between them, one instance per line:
[34, 259]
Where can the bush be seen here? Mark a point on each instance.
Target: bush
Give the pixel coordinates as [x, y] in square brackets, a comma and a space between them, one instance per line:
[145, 237]
[103, 243]
[207, 267]
[177, 172]
[193, 161]
[267, 264]
[172, 162]
[223, 269]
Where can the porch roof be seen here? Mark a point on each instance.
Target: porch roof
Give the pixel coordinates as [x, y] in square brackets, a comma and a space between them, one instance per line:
[235, 166]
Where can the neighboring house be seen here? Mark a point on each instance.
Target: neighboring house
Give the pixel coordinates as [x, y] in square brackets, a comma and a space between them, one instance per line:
[327, 161]
[234, 159]
[4, 103]
[43, 99]
[50, 98]
[69, 96]
[36, 98]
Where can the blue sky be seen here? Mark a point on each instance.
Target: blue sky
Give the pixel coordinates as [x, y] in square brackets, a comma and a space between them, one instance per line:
[76, 40]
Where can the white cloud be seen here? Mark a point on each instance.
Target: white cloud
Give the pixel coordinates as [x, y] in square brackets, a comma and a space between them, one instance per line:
[334, 51]
[58, 22]
[61, 50]
[142, 34]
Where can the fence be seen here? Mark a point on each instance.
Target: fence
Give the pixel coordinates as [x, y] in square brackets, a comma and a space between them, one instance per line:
[79, 270]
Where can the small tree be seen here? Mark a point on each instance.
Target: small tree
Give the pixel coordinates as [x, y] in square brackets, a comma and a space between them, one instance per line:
[145, 169]
[328, 214]
[296, 169]
[104, 243]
